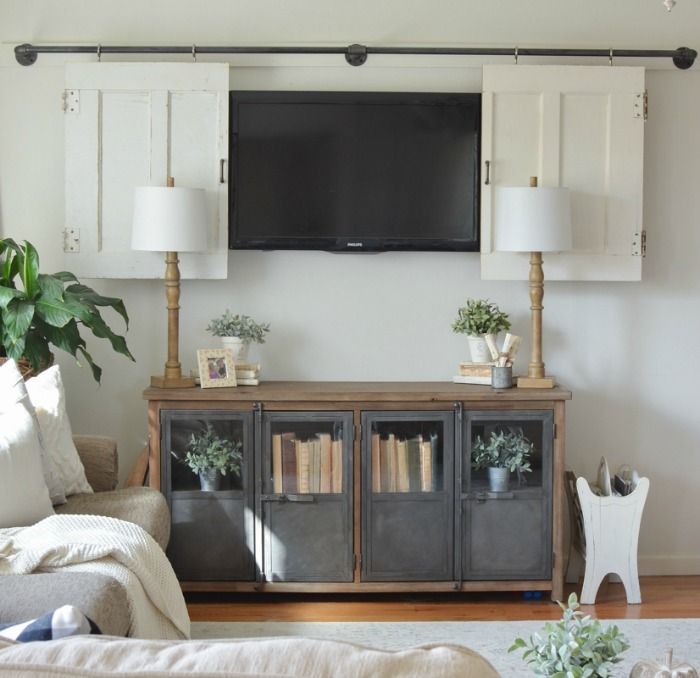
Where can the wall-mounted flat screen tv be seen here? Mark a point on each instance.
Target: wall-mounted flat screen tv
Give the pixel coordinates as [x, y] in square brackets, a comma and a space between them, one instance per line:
[354, 171]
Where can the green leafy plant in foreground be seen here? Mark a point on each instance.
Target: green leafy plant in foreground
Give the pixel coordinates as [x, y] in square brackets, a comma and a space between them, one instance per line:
[575, 647]
[49, 310]
[207, 450]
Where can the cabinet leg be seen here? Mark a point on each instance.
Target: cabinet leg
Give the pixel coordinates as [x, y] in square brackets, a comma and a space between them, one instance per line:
[557, 586]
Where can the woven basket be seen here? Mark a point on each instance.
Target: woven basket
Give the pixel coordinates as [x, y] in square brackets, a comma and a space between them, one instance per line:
[26, 369]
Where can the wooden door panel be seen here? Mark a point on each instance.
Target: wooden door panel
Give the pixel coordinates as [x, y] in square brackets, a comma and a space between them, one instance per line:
[580, 127]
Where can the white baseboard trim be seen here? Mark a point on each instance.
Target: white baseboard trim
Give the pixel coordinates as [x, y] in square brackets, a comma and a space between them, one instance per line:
[646, 565]
[668, 565]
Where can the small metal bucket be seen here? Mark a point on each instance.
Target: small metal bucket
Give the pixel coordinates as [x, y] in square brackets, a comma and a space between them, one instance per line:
[498, 479]
[501, 377]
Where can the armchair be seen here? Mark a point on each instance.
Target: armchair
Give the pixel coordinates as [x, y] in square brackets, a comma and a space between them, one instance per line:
[100, 597]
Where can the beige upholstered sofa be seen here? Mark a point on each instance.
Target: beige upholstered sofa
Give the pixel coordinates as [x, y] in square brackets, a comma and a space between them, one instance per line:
[98, 596]
[300, 657]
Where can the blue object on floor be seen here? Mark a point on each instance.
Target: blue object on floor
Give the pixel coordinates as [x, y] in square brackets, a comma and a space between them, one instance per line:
[532, 595]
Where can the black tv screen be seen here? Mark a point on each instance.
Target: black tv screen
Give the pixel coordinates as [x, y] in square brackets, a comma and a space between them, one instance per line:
[355, 171]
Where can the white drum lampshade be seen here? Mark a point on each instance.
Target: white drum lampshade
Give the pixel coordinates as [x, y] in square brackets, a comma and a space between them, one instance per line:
[533, 219]
[169, 219]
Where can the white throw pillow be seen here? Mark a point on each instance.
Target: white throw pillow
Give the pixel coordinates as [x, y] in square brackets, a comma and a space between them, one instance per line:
[13, 391]
[49, 400]
[24, 497]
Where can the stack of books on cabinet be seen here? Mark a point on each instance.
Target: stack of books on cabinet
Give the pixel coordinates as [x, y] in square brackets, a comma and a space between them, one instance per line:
[310, 466]
[474, 373]
[247, 374]
[404, 465]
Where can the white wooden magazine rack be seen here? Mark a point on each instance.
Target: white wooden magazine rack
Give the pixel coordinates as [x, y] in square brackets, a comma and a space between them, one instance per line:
[611, 525]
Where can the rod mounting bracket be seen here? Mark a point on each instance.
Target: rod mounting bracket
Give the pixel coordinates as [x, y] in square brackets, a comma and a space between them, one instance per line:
[356, 55]
[684, 58]
[25, 54]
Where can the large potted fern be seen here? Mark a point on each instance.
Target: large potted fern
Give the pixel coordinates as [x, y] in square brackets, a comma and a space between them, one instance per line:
[38, 311]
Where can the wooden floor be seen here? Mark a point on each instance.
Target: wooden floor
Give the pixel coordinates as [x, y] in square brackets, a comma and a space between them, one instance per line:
[664, 598]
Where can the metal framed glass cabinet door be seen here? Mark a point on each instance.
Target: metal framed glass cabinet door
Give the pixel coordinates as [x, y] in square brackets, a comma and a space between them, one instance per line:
[213, 527]
[407, 495]
[507, 534]
[306, 499]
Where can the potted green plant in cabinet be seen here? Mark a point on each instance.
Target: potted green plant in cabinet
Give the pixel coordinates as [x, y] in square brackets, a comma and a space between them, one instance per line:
[479, 318]
[212, 458]
[503, 453]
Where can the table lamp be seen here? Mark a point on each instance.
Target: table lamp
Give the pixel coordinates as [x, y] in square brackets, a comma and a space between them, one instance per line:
[170, 220]
[534, 220]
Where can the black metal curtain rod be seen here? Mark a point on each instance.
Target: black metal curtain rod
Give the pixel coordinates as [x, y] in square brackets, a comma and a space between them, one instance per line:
[356, 55]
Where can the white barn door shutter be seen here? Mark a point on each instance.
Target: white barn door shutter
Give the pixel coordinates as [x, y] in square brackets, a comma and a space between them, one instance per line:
[575, 126]
[135, 124]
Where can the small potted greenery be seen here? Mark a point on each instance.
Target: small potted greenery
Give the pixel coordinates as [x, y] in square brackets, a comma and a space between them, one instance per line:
[576, 646]
[237, 332]
[212, 457]
[503, 453]
[477, 319]
[49, 310]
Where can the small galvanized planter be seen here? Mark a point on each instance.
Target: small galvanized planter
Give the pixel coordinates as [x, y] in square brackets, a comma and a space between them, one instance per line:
[498, 479]
[210, 480]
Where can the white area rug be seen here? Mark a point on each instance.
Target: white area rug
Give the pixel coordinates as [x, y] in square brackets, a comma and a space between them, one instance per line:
[648, 638]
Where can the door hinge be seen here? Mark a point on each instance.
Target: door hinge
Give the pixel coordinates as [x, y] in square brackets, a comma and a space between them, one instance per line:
[71, 101]
[354, 561]
[639, 244]
[555, 431]
[71, 240]
[641, 106]
[554, 558]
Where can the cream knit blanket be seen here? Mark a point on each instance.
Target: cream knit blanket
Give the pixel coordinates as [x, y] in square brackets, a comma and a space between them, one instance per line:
[108, 546]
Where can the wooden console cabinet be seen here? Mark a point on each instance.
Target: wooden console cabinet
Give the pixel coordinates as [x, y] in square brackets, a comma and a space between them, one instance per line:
[361, 486]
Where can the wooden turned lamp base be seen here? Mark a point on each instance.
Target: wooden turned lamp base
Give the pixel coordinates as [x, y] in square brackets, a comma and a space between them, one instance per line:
[169, 382]
[535, 382]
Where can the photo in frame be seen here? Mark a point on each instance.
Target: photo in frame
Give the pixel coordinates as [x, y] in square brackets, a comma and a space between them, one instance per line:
[216, 367]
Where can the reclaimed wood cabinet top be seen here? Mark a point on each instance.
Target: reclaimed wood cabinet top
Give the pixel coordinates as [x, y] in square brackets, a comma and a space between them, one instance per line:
[358, 391]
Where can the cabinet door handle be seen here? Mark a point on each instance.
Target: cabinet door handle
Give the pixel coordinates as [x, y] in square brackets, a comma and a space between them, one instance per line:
[274, 497]
[301, 498]
[482, 497]
[297, 498]
[487, 181]
[222, 163]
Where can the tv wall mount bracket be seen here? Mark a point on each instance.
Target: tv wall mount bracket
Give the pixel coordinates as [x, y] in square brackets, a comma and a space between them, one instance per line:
[356, 55]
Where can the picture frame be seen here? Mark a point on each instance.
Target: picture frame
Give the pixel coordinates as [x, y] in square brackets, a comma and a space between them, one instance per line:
[216, 367]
